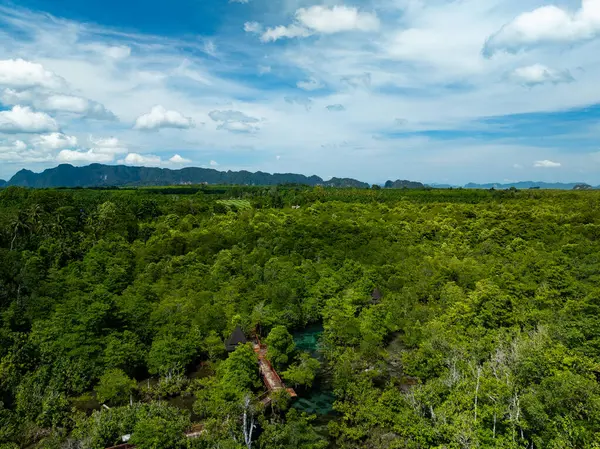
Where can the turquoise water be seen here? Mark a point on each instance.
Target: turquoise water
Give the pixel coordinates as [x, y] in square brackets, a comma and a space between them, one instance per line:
[308, 339]
[319, 399]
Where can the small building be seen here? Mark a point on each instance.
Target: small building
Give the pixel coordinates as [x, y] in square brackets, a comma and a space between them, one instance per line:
[237, 338]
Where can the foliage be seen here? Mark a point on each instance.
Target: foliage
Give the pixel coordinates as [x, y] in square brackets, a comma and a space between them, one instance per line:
[280, 346]
[302, 372]
[487, 333]
[115, 387]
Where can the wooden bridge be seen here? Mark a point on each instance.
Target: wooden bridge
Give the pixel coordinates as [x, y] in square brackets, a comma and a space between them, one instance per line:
[270, 377]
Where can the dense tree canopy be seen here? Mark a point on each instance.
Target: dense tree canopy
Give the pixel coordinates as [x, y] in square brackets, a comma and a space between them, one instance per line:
[487, 333]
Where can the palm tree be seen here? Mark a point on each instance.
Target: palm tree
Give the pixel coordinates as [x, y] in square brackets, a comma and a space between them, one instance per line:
[19, 223]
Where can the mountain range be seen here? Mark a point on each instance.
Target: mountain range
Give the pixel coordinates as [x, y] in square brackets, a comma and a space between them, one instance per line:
[98, 175]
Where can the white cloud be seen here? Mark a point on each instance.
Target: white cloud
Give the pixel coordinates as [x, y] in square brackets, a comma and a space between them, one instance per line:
[339, 18]
[83, 156]
[22, 74]
[239, 1]
[547, 25]
[279, 32]
[253, 27]
[210, 48]
[540, 74]
[16, 146]
[23, 120]
[55, 141]
[57, 103]
[75, 105]
[310, 84]
[118, 52]
[177, 159]
[103, 150]
[546, 164]
[138, 159]
[234, 121]
[518, 166]
[159, 117]
[322, 20]
[263, 69]
[18, 152]
[110, 145]
[214, 164]
[16, 97]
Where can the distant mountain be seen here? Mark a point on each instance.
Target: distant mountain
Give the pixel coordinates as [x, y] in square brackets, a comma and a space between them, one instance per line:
[98, 175]
[346, 182]
[435, 185]
[583, 186]
[526, 185]
[403, 184]
[2, 183]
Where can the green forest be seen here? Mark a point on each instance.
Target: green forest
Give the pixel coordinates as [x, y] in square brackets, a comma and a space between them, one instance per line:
[440, 318]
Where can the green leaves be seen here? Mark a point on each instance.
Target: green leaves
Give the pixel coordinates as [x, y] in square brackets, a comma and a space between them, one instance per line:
[115, 387]
[303, 371]
[280, 346]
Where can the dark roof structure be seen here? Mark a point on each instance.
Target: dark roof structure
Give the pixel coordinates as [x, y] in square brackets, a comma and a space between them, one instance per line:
[376, 295]
[237, 338]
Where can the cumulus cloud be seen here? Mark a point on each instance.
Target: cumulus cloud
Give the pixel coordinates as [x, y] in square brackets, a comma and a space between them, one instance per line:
[23, 120]
[18, 152]
[90, 156]
[54, 141]
[102, 150]
[546, 164]
[17, 145]
[159, 117]
[310, 84]
[139, 159]
[540, 74]
[109, 145]
[323, 20]
[57, 103]
[336, 107]
[214, 164]
[339, 18]
[177, 159]
[546, 25]
[21, 74]
[235, 121]
[75, 105]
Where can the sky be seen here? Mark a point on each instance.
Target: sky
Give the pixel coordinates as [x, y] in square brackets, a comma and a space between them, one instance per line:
[437, 91]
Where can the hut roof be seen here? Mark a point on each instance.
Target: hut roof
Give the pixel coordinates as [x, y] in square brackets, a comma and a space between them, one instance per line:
[237, 337]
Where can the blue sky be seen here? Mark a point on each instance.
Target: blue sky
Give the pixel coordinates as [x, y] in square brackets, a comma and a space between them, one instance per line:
[435, 91]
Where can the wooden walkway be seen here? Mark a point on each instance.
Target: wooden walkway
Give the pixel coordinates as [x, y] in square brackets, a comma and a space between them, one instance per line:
[270, 377]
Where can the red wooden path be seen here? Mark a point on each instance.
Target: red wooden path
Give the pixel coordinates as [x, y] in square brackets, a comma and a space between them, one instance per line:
[270, 377]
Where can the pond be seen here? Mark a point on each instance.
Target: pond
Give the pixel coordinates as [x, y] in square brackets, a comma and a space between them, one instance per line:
[319, 399]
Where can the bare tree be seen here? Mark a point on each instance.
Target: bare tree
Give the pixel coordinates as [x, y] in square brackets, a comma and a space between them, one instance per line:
[248, 423]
